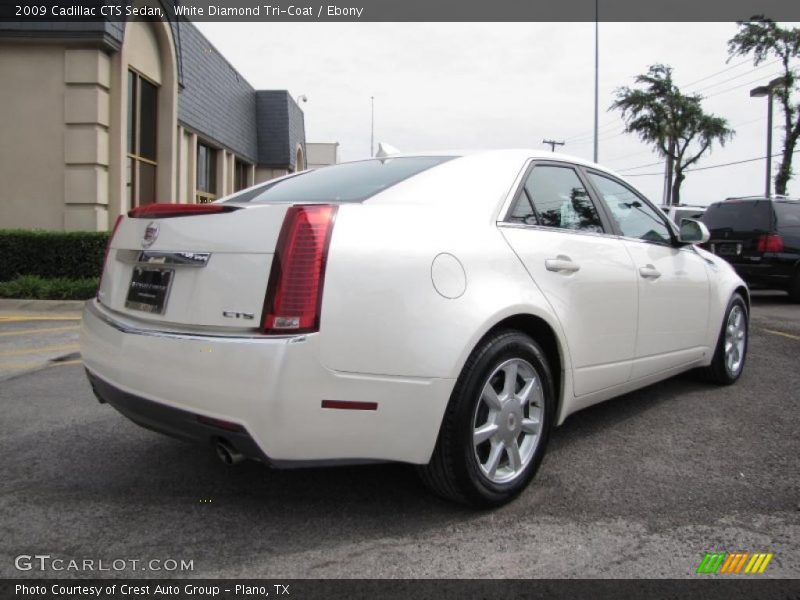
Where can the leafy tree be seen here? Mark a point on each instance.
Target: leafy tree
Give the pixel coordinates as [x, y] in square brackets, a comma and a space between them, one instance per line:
[673, 122]
[763, 38]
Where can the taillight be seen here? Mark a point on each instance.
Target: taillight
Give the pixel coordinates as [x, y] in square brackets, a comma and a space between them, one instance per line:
[105, 256]
[294, 292]
[165, 211]
[769, 242]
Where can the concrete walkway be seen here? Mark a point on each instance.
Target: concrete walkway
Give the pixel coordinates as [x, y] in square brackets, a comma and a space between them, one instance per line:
[36, 334]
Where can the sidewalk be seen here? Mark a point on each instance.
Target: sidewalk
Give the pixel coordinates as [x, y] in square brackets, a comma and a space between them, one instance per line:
[36, 334]
[11, 305]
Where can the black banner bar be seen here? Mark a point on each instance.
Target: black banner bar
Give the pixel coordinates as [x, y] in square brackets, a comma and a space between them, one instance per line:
[399, 10]
[708, 588]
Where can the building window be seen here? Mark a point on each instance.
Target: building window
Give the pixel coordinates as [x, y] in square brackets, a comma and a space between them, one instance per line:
[206, 174]
[241, 171]
[142, 120]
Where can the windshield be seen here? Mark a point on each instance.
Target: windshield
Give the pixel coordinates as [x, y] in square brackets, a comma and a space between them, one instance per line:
[348, 182]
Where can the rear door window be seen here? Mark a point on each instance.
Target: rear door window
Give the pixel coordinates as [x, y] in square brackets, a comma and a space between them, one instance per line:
[554, 196]
[788, 215]
[347, 182]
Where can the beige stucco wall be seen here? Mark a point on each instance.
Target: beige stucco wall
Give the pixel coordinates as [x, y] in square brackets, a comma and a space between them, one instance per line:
[63, 128]
[263, 174]
[319, 154]
[31, 136]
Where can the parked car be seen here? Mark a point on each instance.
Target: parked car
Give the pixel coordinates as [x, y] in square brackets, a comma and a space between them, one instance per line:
[760, 237]
[683, 211]
[444, 310]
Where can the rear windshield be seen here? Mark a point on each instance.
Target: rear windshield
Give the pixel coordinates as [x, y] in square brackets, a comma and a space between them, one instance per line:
[788, 214]
[734, 215]
[348, 182]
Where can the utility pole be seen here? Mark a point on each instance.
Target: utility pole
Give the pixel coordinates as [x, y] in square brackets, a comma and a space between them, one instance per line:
[768, 91]
[769, 142]
[372, 127]
[596, 72]
[668, 177]
[552, 144]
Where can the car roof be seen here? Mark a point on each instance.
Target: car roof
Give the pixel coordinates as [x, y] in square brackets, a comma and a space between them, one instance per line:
[512, 153]
[757, 198]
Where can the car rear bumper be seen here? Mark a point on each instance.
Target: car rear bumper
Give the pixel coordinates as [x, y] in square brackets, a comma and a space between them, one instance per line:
[271, 387]
[764, 274]
[174, 422]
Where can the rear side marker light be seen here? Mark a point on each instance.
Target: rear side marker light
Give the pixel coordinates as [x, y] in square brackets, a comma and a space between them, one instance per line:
[165, 211]
[769, 242]
[220, 424]
[349, 405]
[294, 292]
[105, 256]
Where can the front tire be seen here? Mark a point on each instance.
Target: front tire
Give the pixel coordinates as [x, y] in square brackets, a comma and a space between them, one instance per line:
[729, 357]
[497, 424]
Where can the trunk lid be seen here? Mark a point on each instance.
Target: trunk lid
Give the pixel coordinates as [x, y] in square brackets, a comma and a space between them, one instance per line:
[207, 270]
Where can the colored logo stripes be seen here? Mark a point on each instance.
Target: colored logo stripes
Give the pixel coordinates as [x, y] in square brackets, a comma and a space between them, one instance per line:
[734, 563]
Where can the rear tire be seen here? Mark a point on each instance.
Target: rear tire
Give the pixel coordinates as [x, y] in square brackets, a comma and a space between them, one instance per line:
[497, 424]
[794, 288]
[731, 351]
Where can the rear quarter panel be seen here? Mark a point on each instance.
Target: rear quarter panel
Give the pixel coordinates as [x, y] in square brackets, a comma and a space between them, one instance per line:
[381, 313]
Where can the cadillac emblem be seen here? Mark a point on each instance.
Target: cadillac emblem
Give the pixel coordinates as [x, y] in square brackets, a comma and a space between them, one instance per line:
[150, 235]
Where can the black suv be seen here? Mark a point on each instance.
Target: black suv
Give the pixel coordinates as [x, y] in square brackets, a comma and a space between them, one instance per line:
[760, 237]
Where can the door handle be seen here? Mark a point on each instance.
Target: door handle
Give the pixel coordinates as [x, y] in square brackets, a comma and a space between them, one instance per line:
[561, 264]
[649, 272]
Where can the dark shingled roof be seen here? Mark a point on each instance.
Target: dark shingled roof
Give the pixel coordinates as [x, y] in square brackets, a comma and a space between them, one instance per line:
[214, 99]
[281, 128]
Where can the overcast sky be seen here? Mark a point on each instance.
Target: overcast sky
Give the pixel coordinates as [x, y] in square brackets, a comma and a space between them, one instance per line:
[496, 85]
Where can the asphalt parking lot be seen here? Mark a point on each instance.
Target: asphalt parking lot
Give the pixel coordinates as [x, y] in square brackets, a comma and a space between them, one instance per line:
[641, 486]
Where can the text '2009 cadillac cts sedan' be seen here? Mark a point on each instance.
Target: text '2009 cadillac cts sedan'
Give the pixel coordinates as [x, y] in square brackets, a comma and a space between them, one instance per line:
[444, 310]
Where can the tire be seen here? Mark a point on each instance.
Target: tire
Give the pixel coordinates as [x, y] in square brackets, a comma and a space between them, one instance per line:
[726, 367]
[794, 288]
[490, 473]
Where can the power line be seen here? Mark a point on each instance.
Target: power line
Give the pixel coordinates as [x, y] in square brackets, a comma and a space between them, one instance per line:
[581, 139]
[751, 121]
[767, 64]
[747, 60]
[729, 164]
[741, 85]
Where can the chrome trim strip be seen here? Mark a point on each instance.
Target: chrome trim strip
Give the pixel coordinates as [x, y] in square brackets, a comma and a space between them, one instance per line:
[92, 307]
[158, 258]
[513, 225]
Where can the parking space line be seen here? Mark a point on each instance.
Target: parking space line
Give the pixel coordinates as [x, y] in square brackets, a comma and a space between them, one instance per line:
[23, 366]
[783, 334]
[39, 350]
[43, 330]
[17, 319]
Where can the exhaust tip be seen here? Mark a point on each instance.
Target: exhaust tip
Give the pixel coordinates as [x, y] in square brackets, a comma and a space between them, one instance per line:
[227, 453]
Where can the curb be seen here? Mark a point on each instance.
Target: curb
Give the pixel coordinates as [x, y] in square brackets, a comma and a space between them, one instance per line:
[12, 304]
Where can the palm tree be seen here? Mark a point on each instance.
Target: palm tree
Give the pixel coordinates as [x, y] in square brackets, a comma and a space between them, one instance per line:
[673, 122]
[763, 38]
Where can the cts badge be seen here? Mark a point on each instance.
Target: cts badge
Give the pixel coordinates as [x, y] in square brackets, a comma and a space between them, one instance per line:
[150, 234]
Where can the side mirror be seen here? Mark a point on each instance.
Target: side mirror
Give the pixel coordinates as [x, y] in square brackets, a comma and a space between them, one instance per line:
[693, 232]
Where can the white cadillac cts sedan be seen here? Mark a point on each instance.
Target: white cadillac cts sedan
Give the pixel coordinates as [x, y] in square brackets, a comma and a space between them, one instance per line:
[443, 309]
